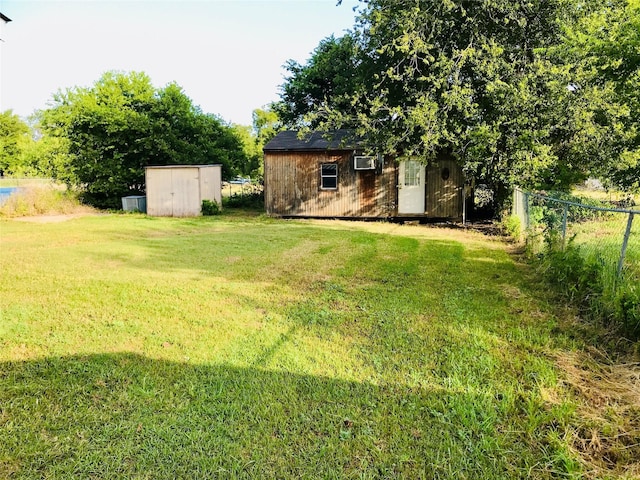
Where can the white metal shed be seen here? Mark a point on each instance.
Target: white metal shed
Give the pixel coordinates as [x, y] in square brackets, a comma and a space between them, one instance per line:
[178, 190]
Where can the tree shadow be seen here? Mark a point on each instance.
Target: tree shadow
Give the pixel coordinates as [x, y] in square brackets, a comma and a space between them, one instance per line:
[125, 415]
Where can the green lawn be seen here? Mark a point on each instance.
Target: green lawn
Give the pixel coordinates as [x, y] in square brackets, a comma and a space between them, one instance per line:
[237, 347]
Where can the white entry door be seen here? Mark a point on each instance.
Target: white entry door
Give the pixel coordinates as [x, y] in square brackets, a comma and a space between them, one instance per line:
[411, 191]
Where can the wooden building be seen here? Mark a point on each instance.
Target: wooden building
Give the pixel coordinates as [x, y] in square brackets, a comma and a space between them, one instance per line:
[330, 177]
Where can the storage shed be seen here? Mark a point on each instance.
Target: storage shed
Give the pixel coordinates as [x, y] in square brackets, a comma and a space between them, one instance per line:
[330, 176]
[178, 190]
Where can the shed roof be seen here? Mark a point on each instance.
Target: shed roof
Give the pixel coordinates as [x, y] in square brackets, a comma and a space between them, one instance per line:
[315, 141]
[158, 167]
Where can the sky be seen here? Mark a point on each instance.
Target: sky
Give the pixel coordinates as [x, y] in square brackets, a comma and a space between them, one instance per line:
[227, 55]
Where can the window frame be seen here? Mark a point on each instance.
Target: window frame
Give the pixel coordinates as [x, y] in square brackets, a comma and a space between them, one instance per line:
[411, 174]
[324, 176]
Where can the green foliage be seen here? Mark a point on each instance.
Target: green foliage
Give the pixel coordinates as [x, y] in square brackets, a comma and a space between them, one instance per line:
[13, 135]
[513, 227]
[325, 81]
[627, 309]
[584, 280]
[252, 167]
[266, 124]
[25, 152]
[545, 211]
[601, 50]
[122, 124]
[210, 207]
[462, 76]
[253, 199]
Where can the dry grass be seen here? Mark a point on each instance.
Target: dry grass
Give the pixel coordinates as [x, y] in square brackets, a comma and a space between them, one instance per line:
[43, 199]
[608, 399]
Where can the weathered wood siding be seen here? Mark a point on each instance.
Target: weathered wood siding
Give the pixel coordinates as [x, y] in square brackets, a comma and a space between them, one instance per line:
[292, 185]
[444, 188]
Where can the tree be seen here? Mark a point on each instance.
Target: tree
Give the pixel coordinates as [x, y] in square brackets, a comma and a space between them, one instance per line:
[13, 134]
[122, 124]
[266, 124]
[601, 53]
[509, 88]
[326, 80]
[461, 76]
[253, 164]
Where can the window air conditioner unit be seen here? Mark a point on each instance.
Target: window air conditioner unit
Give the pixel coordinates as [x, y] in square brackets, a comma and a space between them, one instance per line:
[361, 162]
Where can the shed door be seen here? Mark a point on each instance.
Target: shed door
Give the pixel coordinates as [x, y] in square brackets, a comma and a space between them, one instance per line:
[411, 187]
[444, 190]
[186, 192]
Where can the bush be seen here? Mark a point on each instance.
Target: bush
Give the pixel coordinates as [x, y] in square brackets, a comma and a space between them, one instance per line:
[254, 200]
[210, 207]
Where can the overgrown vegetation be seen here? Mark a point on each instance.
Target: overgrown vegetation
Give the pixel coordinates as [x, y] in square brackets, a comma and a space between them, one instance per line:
[243, 348]
[122, 124]
[584, 280]
[42, 199]
[252, 198]
[583, 265]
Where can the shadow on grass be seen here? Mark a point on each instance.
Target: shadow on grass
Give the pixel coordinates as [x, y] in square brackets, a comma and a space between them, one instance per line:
[128, 416]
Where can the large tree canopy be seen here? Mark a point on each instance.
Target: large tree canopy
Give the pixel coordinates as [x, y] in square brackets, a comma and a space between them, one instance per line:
[122, 124]
[327, 80]
[491, 81]
[602, 53]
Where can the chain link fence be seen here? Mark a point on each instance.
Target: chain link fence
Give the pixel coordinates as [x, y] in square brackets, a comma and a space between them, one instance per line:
[604, 234]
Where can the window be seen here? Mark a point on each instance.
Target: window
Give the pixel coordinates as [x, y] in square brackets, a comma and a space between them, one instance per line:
[412, 173]
[329, 176]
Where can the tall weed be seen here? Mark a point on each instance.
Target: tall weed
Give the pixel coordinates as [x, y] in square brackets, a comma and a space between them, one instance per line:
[42, 200]
[588, 283]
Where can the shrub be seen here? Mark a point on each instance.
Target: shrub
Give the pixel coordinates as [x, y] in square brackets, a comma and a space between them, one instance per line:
[253, 200]
[210, 207]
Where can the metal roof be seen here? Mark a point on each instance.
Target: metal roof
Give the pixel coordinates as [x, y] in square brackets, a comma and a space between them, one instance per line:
[288, 140]
[157, 167]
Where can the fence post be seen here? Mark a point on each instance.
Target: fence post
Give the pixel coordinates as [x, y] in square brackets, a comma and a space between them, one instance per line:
[526, 211]
[564, 225]
[625, 241]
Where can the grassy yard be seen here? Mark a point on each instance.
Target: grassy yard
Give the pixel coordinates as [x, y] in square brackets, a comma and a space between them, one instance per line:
[604, 238]
[237, 347]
